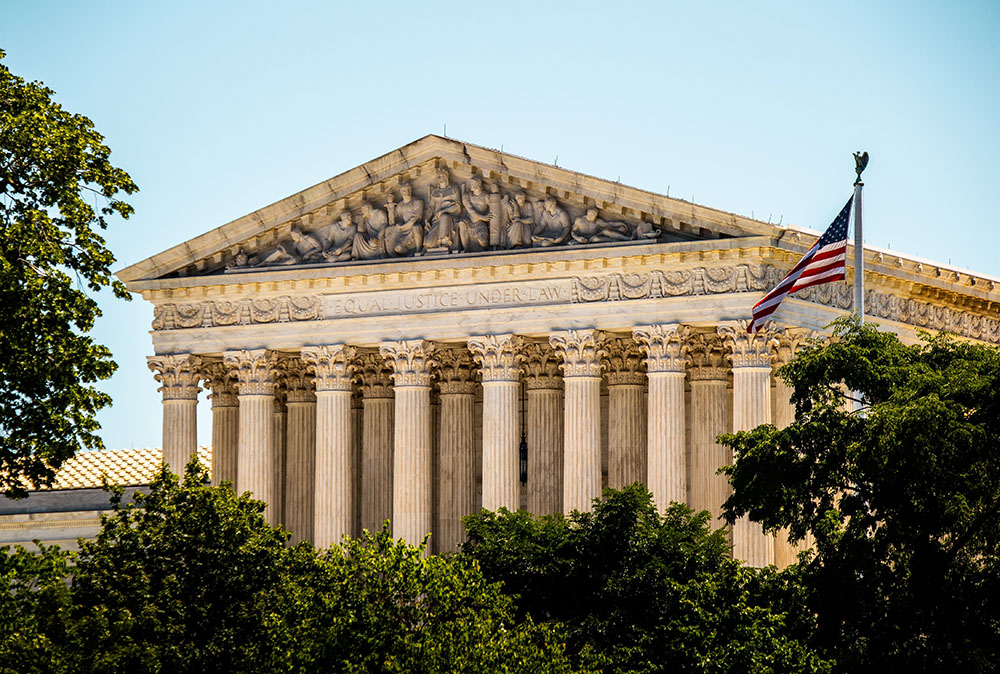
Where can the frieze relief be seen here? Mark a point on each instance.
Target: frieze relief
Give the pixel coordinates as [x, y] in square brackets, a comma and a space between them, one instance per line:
[613, 287]
[441, 216]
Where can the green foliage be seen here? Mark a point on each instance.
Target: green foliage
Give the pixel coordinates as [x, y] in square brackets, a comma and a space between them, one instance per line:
[191, 578]
[643, 592]
[902, 496]
[53, 167]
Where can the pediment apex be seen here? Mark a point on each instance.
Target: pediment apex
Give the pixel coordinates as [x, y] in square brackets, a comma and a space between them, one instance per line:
[314, 208]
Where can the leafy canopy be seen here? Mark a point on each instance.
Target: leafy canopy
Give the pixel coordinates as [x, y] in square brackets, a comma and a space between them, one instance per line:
[643, 592]
[902, 497]
[57, 190]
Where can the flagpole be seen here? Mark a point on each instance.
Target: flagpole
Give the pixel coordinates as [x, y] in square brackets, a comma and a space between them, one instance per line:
[861, 162]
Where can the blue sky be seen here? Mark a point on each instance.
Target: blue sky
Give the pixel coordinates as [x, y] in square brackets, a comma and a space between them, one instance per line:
[217, 109]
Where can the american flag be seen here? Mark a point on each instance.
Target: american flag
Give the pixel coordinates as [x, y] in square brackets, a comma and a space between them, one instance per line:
[825, 262]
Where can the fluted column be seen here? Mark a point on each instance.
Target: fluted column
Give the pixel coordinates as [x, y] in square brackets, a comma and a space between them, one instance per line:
[626, 377]
[254, 371]
[456, 457]
[581, 353]
[498, 360]
[412, 470]
[750, 354]
[279, 426]
[300, 456]
[178, 375]
[709, 376]
[377, 423]
[333, 514]
[665, 348]
[225, 422]
[544, 418]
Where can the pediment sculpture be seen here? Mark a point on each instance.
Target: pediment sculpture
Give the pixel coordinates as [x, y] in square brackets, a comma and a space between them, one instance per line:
[468, 218]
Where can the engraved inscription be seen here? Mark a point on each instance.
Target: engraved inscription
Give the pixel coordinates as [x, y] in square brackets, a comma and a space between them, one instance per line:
[450, 299]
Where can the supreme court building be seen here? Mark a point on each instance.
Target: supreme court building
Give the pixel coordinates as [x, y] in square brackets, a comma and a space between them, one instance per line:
[374, 344]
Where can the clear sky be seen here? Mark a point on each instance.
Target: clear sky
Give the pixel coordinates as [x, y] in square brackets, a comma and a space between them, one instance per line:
[219, 108]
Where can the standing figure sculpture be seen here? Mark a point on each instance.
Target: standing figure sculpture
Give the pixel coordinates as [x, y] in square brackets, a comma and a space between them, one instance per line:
[405, 235]
[369, 242]
[302, 248]
[520, 220]
[591, 229]
[475, 232]
[553, 225]
[340, 239]
[443, 206]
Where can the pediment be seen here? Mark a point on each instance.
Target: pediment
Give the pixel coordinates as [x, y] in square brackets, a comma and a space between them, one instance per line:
[441, 197]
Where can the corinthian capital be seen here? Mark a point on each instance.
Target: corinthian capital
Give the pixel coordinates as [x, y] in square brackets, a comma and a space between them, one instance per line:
[410, 360]
[297, 380]
[665, 346]
[221, 383]
[790, 342]
[623, 363]
[332, 366]
[706, 358]
[581, 352]
[749, 349]
[374, 376]
[541, 367]
[498, 356]
[455, 373]
[254, 370]
[178, 375]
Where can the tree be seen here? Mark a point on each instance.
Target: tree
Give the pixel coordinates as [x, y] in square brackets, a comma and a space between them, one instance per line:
[53, 167]
[902, 496]
[191, 578]
[643, 592]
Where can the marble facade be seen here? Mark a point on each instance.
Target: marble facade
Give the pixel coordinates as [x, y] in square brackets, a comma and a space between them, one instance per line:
[376, 346]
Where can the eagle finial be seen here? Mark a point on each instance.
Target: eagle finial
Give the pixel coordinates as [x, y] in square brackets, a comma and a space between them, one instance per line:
[860, 164]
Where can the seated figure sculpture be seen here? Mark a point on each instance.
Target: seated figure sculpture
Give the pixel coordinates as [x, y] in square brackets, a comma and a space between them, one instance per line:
[340, 239]
[475, 232]
[553, 225]
[591, 229]
[520, 220]
[443, 207]
[405, 234]
[369, 242]
[302, 248]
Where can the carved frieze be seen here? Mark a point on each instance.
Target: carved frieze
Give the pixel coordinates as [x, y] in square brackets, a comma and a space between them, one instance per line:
[178, 375]
[624, 363]
[332, 366]
[581, 352]
[498, 356]
[665, 346]
[411, 361]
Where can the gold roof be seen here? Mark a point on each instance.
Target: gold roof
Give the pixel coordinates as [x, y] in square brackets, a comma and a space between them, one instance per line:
[124, 467]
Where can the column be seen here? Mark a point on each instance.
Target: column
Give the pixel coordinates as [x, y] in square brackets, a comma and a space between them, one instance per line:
[581, 353]
[377, 412]
[412, 471]
[456, 457]
[279, 425]
[225, 423]
[709, 376]
[498, 360]
[333, 514]
[783, 414]
[626, 377]
[665, 348]
[356, 427]
[178, 375]
[750, 354]
[254, 371]
[300, 456]
[544, 418]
